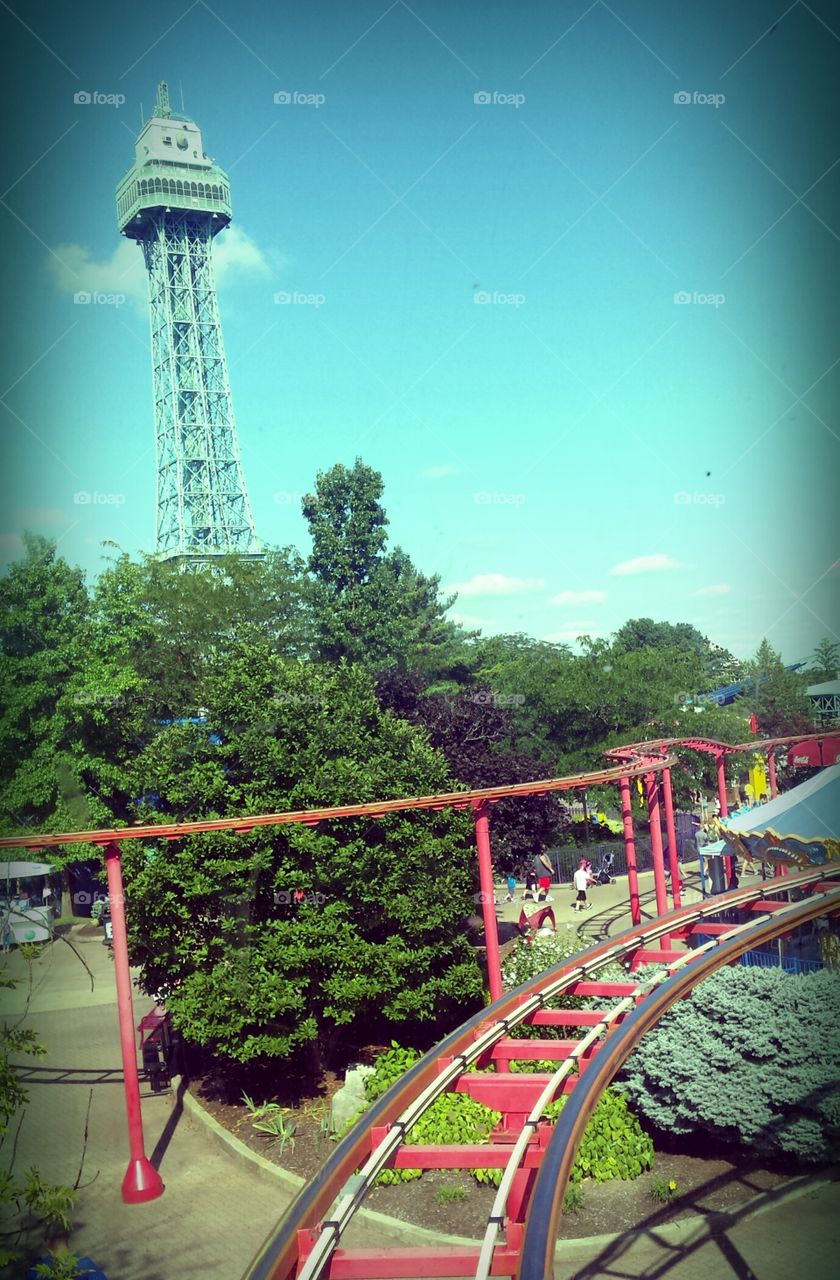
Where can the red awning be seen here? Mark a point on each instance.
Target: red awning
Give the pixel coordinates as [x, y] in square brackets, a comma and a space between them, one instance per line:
[830, 751]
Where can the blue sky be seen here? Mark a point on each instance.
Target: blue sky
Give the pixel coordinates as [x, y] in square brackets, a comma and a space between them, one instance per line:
[483, 292]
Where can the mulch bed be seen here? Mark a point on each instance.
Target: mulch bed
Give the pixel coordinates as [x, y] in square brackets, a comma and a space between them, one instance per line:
[453, 1203]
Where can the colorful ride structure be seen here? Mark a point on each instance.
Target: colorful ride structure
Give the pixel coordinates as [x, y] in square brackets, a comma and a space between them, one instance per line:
[536, 1158]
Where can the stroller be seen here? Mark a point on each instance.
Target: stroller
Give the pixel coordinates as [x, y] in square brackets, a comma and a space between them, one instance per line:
[604, 873]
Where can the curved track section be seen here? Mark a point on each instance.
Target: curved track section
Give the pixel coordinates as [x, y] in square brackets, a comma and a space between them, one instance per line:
[534, 1156]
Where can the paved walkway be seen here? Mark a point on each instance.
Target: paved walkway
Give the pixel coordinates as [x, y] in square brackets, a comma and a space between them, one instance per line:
[217, 1210]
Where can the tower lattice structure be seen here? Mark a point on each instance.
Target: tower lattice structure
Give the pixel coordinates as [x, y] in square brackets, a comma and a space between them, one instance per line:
[173, 201]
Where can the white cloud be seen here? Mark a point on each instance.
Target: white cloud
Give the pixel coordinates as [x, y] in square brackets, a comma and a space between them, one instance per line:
[74, 269]
[469, 619]
[440, 473]
[657, 563]
[495, 584]
[719, 589]
[579, 597]
[570, 633]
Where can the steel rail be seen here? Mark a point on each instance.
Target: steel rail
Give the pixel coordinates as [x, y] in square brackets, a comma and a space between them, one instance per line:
[339, 1188]
[537, 1250]
[371, 809]
[644, 988]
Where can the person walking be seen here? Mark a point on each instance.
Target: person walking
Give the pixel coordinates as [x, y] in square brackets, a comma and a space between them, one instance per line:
[543, 872]
[581, 880]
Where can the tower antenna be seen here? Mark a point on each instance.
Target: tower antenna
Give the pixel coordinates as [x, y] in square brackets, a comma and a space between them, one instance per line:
[181, 88]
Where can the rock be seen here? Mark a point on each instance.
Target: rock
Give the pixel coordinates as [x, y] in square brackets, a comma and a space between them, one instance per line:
[350, 1098]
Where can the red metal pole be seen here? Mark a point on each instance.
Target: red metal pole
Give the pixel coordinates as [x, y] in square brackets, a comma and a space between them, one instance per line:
[630, 851]
[720, 765]
[652, 794]
[670, 827]
[771, 769]
[488, 908]
[142, 1181]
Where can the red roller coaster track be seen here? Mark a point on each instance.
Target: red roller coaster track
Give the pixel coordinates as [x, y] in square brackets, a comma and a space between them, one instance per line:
[644, 760]
[536, 1158]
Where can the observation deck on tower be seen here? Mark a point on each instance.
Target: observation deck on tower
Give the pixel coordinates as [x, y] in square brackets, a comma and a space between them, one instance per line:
[171, 172]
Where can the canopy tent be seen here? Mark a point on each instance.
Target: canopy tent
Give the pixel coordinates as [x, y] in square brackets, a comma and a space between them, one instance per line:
[800, 826]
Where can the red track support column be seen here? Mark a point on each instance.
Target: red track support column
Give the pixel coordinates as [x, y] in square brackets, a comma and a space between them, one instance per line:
[142, 1181]
[630, 851]
[771, 769]
[488, 907]
[670, 827]
[720, 765]
[651, 793]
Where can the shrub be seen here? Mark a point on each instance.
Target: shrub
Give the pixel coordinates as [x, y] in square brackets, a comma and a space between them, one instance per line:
[751, 1056]
[614, 1144]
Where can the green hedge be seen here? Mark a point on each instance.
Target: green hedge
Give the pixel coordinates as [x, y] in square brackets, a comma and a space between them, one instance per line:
[614, 1145]
[751, 1056]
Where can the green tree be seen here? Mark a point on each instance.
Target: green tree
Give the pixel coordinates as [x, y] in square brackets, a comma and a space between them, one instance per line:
[371, 606]
[825, 662]
[278, 941]
[777, 695]
[43, 610]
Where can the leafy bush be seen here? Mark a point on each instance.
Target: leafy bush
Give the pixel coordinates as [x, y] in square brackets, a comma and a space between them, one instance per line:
[751, 1056]
[614, 1144]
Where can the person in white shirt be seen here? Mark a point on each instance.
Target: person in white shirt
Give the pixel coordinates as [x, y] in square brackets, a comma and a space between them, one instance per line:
[581, 879]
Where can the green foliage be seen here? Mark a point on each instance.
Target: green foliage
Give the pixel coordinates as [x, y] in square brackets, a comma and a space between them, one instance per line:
[271, 1119]
[277, 941]
[614, 1144]
[752, 1057]
[371, 606]
[62, 1265]
[777, 696]
[825, 662]
[451, 1192]
[663, 1190]
[573, 1199]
